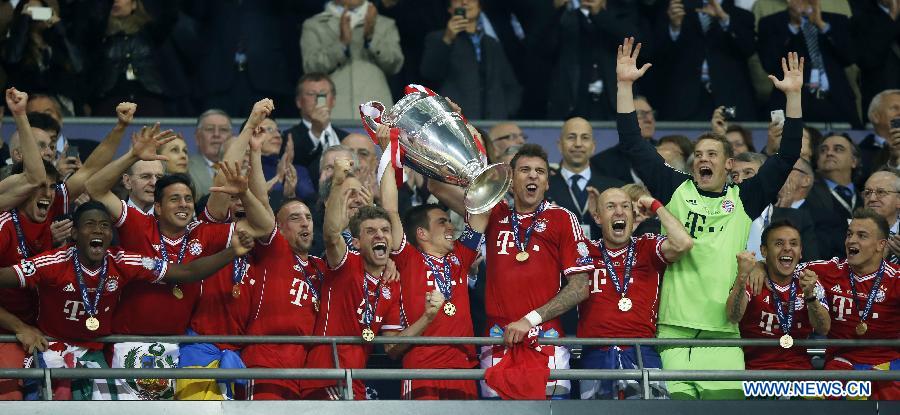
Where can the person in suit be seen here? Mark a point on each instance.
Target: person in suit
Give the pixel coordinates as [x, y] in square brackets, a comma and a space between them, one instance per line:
[824, 39]
[583, 81]
[613, 162]
[703, 55]
[213, 130]
[882, 147]
[568, 187]
[315, 99]
[470, 65]
[876, 38]
[833, 197]
[882, 194]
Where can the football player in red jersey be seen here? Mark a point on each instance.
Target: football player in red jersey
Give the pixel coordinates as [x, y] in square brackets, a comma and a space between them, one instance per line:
[79, 287]
[624, 290]
[432, 266]
[25, 227]
[864, 293]
[530, 246]
[791, 305]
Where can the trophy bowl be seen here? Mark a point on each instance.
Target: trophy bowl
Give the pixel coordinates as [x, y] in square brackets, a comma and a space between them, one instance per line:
[438, 145]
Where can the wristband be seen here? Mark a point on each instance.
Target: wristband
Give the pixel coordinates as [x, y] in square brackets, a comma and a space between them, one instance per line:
[533, 318]
[655, 206]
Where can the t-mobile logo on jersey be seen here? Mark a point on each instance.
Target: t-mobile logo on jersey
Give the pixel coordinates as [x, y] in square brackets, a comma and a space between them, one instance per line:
[362, 306]
[767, 322]
[299, 290]
[505, 240]
[843, 306]
[598, 280]
[73, 309]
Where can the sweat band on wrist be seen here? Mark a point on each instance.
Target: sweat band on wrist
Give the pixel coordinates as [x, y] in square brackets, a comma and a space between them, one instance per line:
[534, 318]
[655, 206]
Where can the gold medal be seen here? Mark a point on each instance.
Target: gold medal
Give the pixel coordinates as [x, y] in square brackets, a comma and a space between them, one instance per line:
[786, 341]
[368, 335]
[522, 256]
[861, 328]
[624, 303]
[92, 323]
[236, 290]
[176, 291]
[449, 309]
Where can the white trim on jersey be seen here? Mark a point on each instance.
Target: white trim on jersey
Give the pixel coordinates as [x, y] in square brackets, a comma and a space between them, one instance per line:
[122, 216]
[343, 260]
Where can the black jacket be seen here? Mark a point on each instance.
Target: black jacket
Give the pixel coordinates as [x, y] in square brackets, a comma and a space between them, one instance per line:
[829, 218]
[305, 153]
[875, 39]
[559, 193]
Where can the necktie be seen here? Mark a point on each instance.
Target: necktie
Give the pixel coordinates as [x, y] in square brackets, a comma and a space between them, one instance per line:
[580, 195]
[845, 193]
[705, 19]
[811, 35]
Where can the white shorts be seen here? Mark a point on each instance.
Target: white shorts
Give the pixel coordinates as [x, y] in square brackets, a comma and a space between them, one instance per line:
[491, 355]
[145, 355]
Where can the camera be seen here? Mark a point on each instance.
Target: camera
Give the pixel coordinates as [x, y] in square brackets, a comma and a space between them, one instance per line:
[459, 11]
[321, 100]
[729, 112]
[895, 123]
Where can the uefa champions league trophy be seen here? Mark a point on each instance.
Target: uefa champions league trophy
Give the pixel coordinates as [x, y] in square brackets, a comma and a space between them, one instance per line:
[438, 144]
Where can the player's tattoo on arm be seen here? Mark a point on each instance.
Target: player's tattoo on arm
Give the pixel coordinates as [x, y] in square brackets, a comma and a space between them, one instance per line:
[818, 316]
[737, 304]
[573, 293]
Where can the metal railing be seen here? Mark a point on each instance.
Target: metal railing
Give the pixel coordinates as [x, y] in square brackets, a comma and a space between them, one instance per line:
[641, 374]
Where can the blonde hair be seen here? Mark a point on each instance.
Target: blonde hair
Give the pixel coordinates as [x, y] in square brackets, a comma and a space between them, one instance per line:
[635, 191]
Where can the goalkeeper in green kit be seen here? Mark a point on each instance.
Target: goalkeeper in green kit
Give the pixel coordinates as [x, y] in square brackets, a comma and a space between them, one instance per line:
[717, 215]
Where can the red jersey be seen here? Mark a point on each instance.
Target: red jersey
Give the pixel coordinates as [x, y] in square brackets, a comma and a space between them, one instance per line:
[418, 279]
[341, 314]
[557, 247]
[884, 318]
[62, 309]
[152, 309]
[38, 239]
[285, 304]
[761, 322]
[600, 315]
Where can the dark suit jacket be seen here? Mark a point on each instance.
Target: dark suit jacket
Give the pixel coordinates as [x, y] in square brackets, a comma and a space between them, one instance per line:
[875, 37]
[829, 218]
[804, 223]
[487, 90]
[304, 152]
[776, 40]
[613, 162]
[726, 53]
[559, 194]
[873, 157]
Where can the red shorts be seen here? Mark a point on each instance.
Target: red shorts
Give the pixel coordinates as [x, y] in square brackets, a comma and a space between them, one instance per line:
[881, 391]
[274, 356]
[432, 389]
[333, 392]
[11, 357]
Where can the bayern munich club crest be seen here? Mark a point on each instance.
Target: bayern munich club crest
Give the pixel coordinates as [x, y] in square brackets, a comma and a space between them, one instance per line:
[454, 259]
[728, 206]
[195, 247]
[298, 268]
[386, 293]
[540, 225]
[583, 249]
[112, 284]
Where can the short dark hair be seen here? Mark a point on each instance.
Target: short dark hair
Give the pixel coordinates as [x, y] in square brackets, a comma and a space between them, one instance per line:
[746, 135]
[683, 142]
[530, 150]
[880, 221]
[52, 173]
[87, 207]
[43, 121]
[366, 213]
[314, 77]
[288, 201]
[778, 224]
[729, 151]
[415, 218]
[169, 180]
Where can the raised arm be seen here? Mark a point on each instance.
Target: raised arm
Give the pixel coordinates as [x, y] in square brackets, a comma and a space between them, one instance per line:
[452, 197]
[260, 221]
[817, 310]
[199, 269]
[678, 241]
[761, 190]
[336, 218]
[388, 187]
[143, 147]
[218, 203]
[659, 178]
[737, 301]
[433, 302]
[31, 156]
[576, 291]
[103, 154]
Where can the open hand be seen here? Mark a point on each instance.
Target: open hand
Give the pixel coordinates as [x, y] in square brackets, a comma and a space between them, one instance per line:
[145, 143]
[235, 182]
[793, 74]
[626, 62]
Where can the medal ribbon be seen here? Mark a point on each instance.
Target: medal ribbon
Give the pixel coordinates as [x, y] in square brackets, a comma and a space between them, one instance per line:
[443, 280]
[369, 312]
[162, 245]
[785, 317]
[871, 299]
[621, 288]
[514, 219]
[20, 236]
[309, 285]
[237, 272]
[90, 307]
